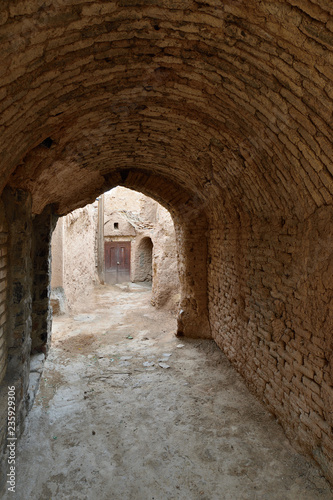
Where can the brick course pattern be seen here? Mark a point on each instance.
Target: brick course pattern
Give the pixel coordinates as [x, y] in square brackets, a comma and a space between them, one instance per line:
[17, 212]
[270, 289]
[3, 291]
[222, 112]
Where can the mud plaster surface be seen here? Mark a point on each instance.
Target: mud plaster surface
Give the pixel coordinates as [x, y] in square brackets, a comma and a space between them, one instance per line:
[107, 427]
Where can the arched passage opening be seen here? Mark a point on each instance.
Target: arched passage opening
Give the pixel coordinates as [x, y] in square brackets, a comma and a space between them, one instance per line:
[87, 245]
[193, 316]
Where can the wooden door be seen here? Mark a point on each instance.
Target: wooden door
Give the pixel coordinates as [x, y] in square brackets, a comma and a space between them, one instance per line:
[117, 261]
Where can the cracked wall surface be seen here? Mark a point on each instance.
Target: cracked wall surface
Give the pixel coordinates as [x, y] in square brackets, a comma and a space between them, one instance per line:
[74, 258]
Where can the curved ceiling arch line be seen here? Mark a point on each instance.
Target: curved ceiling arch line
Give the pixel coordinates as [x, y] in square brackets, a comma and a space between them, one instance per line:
[233, 154]
[175, 198]
[212, 61]
[73, 182]
[188, 211]
[205, 165]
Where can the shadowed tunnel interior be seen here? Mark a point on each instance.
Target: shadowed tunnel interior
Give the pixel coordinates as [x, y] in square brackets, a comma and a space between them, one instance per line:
[222, 112]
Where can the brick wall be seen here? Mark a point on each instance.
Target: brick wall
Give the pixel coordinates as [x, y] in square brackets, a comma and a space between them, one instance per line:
[41, 316]
[17, 209]
[270, 295]
[27, 312]
[3, 291]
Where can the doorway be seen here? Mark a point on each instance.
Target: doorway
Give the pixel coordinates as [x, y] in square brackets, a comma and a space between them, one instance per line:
[117, 261]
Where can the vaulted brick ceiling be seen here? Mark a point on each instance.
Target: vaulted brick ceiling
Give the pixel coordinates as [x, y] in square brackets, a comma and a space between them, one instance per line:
[225, 99]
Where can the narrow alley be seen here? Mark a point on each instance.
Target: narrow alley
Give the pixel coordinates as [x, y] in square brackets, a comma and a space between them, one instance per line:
[128, 411]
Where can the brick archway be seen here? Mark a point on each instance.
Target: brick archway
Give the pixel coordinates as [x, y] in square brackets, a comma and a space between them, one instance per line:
[221, 111]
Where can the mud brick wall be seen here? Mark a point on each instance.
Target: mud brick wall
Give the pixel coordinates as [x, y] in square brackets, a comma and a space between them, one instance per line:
[19, 219]
[17, 209]
[74, 255]
[43, 226]
[3, 330]
[155, 223]
[144, 260]
[3, 291]
[271, 297]
[166, 286]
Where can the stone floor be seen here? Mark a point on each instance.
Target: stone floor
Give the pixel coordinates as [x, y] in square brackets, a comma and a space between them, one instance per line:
[126, 411]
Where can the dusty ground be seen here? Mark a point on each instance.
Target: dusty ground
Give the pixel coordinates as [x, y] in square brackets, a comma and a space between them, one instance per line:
[110, 423]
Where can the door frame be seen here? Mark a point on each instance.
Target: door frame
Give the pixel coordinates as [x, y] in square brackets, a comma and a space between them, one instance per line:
[113, 276]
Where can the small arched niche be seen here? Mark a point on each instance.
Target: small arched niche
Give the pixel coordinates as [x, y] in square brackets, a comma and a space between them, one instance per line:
[143, 270]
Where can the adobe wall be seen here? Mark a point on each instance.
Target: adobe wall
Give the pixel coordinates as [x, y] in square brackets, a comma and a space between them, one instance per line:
[270, 307]
[80, 253]
[166, 287]
[74, 247]
[3, 290]
[121, 198]
[25, 312]
[154, 222]
[143, 262]
[57, 249]
[74, 255]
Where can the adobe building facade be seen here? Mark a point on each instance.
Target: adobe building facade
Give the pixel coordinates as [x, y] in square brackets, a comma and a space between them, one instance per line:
[81, 240]
[149, 230]
[222, 112]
